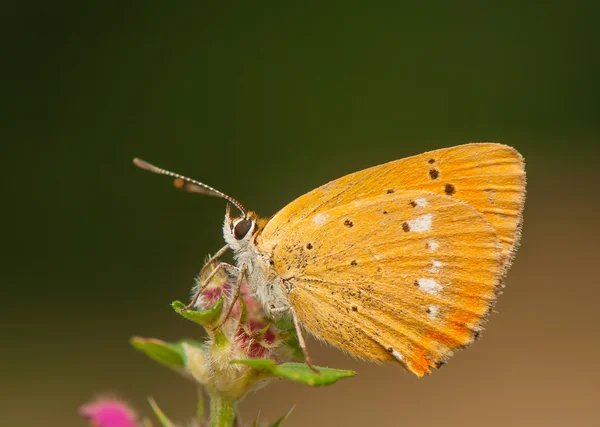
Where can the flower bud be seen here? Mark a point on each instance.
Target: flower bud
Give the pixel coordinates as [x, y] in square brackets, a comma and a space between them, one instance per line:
[245, 334]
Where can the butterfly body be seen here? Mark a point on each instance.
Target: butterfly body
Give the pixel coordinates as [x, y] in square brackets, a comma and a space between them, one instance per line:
[402, 261]
[268, 287]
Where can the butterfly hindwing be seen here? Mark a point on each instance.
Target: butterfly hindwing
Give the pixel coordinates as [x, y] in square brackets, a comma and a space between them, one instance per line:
[406, 275]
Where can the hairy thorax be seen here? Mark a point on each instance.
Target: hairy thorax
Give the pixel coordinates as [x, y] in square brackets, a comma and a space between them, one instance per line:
[266, 285]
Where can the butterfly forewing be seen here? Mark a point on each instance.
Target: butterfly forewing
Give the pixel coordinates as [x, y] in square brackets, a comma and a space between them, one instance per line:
[406, 275]
[490, 177]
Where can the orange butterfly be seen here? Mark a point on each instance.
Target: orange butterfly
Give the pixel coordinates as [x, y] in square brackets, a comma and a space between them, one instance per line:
[402, 261]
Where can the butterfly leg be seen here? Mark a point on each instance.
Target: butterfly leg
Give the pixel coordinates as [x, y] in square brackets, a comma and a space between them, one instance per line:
[238, 285]
[221, 265]
[301, 341]
[212, 259]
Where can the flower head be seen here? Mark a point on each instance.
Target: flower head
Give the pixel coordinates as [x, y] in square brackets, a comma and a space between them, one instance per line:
[245, 334]
[109, 412]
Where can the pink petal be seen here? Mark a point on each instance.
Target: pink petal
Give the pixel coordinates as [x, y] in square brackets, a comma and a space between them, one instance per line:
[109, 413]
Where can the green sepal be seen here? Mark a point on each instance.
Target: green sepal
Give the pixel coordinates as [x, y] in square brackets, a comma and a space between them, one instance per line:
[260, 333]
[162, 418]
[168, 354]
[288, 334]
[220, 340]
[243, 311]
[293, 344]
[203, 318]
[298, 372]
[286, 324]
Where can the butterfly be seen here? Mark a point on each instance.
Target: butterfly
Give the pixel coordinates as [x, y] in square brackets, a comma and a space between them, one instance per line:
[402, 261]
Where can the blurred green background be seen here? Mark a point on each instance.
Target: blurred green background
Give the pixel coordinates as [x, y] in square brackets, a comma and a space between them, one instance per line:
[266, 101]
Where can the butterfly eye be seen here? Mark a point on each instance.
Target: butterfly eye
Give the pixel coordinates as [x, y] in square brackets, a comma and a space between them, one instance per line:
[241, 228]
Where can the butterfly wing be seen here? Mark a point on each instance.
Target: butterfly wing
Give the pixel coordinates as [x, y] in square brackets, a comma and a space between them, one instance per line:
[489, 177]
[408, 275]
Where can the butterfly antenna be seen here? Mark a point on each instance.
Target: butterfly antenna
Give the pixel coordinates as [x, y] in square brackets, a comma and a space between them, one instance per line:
[188, 184]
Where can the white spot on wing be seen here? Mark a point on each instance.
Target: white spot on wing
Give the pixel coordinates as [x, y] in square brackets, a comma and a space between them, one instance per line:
[320, 219]
[429, 285]
[421, 223]
[435, 266]
[433, 311]
[421, 202]
[397, 355]
[432, 245]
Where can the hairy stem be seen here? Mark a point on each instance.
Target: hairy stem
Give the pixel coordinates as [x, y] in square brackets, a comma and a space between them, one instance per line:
[222, 411]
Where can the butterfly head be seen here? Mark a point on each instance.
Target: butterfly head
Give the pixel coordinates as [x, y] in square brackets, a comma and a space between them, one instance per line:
[240, 232]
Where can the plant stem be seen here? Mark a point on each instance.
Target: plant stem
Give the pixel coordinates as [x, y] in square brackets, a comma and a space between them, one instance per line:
[222, 411]
[200, 405]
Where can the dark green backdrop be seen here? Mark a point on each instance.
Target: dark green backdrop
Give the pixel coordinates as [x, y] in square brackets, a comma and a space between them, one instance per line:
[265, 102]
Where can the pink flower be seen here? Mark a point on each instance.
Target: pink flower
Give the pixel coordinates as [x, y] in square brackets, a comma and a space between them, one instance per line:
[109, 413]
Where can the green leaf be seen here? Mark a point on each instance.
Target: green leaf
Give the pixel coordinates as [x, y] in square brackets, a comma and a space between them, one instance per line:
[201, 317]
[299, 372]
[282, 419]
[168, 354]
[162, 418]
[260, 364]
